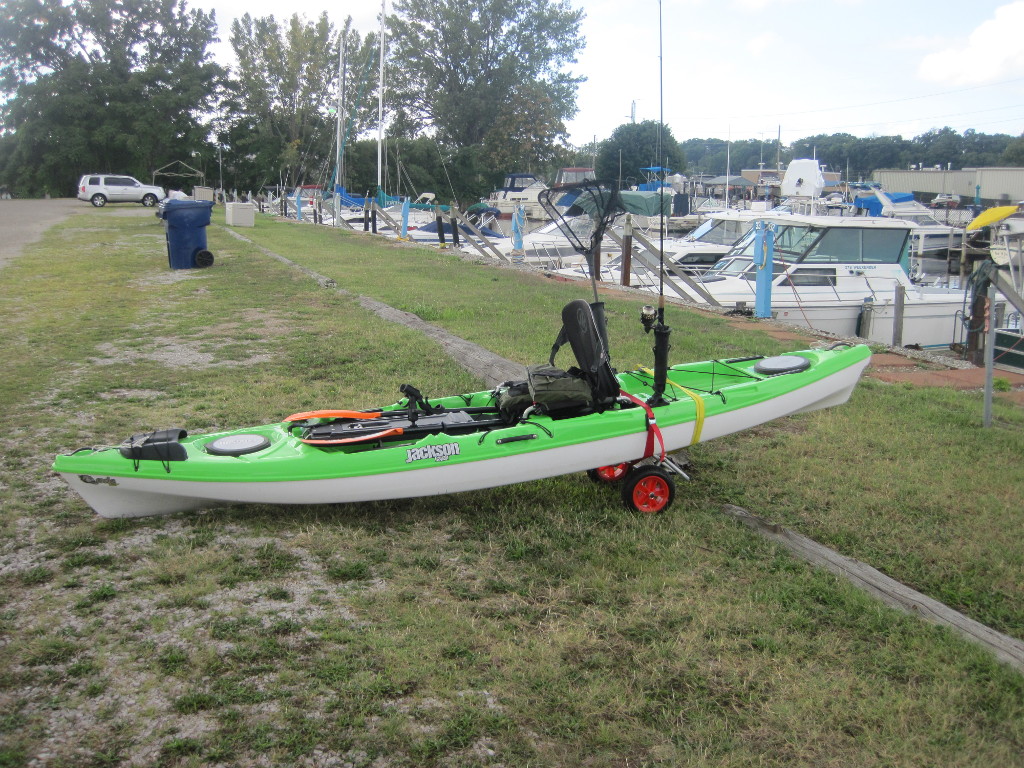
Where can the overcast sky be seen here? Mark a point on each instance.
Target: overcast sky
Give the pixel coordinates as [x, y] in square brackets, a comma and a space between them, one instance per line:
[746, 69]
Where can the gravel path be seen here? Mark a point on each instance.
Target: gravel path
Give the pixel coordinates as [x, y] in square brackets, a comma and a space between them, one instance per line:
[24, 221]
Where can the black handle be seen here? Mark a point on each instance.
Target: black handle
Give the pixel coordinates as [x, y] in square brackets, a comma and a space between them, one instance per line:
[514, 439]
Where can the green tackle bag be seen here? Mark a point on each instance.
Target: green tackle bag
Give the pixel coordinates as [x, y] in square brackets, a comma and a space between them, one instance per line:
[553, 389]
[513, 397]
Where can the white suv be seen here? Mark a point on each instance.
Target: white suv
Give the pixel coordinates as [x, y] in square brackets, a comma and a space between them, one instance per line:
[100, 189]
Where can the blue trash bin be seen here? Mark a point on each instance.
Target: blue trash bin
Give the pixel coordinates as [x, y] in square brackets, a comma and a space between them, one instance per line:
[187, 221]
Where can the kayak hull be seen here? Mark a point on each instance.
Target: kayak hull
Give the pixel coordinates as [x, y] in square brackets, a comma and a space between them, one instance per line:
[289, 472]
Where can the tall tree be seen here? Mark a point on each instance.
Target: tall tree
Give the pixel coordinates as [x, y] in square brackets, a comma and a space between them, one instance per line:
[1013, 155]
[528, 131]
[464, 61]
[982, 150]
[633, 146]
[99, 85]
[279, 99]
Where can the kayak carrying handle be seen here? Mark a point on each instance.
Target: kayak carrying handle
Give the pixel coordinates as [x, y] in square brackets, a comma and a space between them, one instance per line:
[514, 439]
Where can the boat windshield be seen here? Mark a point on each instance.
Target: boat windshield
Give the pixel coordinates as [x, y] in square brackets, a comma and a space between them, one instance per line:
[920, 219]
[848, 245]
[731, 267]
[721, 231]
[551, 226]
[702, 230]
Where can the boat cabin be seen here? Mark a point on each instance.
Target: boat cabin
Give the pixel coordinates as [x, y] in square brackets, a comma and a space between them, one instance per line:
[819, 248]
[567, 176]
[519, 189]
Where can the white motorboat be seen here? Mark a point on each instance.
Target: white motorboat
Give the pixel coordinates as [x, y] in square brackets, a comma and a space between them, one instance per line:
[841, 275]
[545, 247]
[519, 189]
[703, 247]
[697, 252]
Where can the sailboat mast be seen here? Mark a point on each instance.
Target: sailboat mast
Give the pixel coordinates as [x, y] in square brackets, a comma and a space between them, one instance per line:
[728, 165]
[380, 98]
[337, 131]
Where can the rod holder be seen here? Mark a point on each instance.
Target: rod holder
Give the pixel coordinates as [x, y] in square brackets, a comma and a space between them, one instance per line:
[662, 333]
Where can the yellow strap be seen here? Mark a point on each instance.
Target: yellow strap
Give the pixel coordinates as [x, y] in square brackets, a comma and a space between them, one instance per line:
[698, 401]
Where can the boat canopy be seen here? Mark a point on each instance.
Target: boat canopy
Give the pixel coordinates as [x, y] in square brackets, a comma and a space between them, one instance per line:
[517, 181]
[646, 203]
[566, 176]
[638, 203]
[732, 181]
[874, 206]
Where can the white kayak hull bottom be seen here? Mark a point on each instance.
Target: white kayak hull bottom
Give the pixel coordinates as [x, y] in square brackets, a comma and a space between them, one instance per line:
[129, 496]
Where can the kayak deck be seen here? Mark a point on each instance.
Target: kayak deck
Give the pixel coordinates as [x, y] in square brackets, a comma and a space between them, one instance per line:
[720, 386]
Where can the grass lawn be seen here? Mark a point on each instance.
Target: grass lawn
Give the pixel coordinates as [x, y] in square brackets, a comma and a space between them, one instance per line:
[535, 625]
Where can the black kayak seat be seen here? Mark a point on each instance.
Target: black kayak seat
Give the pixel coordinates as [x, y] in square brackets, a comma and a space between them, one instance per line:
[579, 329]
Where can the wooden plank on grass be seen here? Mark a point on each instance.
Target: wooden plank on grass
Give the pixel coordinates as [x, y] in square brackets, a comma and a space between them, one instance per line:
[891, 592]
[478, 360]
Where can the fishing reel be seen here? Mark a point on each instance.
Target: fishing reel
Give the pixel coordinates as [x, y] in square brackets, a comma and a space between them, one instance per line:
[648, 317]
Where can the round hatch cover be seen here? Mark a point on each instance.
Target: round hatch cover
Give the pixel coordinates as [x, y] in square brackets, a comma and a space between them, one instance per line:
[773, 366]
[237, 445]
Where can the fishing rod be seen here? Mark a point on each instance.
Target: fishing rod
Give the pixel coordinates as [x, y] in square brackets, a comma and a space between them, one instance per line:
[651, 318]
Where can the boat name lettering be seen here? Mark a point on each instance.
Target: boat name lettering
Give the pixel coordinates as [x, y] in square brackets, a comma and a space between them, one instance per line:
[435, 452]
[90, 480]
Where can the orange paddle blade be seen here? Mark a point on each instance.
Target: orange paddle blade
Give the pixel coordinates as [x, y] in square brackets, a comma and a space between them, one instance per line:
[332, 415]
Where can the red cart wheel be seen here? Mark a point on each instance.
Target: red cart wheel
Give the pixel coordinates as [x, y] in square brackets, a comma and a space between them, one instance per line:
[609, 474]
[648, 489]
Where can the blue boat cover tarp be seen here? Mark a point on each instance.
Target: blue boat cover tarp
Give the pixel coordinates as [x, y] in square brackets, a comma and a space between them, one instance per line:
[351, 201]
[874, 206]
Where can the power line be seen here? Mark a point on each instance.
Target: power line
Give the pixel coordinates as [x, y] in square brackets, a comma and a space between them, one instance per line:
[880, 103]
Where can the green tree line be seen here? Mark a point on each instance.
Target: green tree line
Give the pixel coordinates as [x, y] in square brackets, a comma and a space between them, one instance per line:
[474, 89]
[856, 158]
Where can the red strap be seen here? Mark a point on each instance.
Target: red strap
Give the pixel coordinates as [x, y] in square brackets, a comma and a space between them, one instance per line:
[653, 430]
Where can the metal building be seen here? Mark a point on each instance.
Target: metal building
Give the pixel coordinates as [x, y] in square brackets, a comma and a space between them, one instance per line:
[995, 186]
